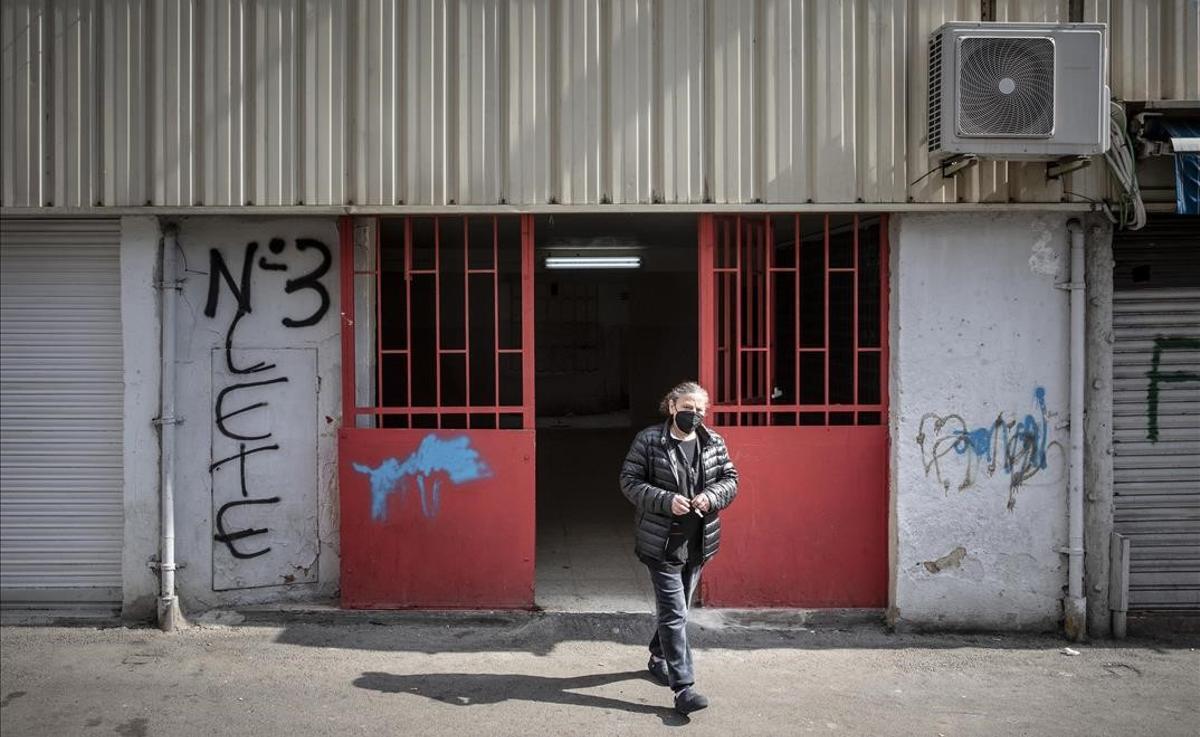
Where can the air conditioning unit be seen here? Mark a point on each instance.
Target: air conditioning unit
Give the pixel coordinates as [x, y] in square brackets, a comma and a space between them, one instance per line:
[1018, 90]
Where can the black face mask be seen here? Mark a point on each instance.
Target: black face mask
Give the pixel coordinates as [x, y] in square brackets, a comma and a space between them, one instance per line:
[686, 420]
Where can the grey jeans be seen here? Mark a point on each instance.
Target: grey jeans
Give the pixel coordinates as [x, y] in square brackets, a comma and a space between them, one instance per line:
[673, 590]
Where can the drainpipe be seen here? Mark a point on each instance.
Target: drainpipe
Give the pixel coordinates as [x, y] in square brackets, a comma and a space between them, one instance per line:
[170, 617]
[1075, 605]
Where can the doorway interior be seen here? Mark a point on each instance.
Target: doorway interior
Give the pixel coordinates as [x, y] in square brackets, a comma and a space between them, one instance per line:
[610, 342]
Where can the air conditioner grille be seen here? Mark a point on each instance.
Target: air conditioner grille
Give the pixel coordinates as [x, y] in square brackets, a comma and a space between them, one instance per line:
[1006, 87]
[935, 92]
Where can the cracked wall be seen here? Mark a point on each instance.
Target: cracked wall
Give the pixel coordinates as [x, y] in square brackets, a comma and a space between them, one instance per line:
[979, 388]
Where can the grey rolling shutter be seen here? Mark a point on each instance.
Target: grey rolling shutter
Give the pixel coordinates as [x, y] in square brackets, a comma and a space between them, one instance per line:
[61, 405]
[1156, 414]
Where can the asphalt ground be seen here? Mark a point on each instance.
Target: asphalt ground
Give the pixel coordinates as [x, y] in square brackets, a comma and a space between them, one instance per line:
[481, 674]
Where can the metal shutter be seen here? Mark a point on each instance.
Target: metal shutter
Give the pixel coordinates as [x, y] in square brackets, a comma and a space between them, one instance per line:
[61, 405]
[1156, 413]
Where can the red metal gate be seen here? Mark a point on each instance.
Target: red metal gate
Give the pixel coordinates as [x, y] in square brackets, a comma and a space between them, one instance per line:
[436, 451]
[793, 348]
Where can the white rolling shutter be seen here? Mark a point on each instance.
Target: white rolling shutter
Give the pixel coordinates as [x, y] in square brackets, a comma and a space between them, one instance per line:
[61, 404]
[1156, 411]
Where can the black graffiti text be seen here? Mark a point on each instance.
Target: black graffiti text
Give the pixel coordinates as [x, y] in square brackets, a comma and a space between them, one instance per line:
[223, 412]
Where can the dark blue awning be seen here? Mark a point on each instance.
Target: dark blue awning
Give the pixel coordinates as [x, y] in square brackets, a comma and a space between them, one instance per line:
[1185, 140]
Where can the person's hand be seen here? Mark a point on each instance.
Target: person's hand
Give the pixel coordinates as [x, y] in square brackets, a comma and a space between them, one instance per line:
[680, 505]
[702, 503]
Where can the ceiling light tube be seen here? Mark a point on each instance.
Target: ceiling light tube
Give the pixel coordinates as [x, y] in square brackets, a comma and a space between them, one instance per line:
[593, 262]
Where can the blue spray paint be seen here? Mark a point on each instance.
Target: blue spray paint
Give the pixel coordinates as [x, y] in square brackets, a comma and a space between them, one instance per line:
[1024, 440]
[454, 457]
[1019, 447]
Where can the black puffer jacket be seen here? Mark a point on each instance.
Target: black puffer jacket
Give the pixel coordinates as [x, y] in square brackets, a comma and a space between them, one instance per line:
[650, 478]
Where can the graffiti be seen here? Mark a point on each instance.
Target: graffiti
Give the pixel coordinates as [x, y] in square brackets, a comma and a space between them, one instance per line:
[311, 280]
[1158, 377]
[246, 391]
[1018, 447]
[455, 458]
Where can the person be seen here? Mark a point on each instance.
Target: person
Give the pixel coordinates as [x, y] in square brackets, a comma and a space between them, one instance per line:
[678, 476]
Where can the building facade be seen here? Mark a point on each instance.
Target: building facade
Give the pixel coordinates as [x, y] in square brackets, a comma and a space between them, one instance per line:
[361, 199]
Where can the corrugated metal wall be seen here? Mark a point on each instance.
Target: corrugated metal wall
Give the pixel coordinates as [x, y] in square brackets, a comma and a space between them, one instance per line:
[436, 102]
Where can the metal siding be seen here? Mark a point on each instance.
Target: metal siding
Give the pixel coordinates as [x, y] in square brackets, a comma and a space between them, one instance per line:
[732, 45]
[683, 86]
[527, 101]
[924, 16]
[1155, 49]
[22, 36]
[478, 98]
[833, 101]
[124, 107]
[632, 112]
[579, 94]
[75, 108]
[325, 76]
[377, 102]
[881, 93]
[171, 102]
[61, 385]
[1157, 479]
[276, 91]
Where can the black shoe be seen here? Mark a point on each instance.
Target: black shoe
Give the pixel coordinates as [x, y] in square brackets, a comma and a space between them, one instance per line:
[658, 671]
[688, 699]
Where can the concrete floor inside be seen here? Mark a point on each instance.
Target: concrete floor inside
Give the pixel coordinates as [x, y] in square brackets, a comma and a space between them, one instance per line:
[585, 560]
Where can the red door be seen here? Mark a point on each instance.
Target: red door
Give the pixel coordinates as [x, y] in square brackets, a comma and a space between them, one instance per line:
[436, 452]
[793, 349]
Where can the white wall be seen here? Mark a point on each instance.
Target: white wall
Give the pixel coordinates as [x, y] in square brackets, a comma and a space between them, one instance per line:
[977, 328]
[289, 490]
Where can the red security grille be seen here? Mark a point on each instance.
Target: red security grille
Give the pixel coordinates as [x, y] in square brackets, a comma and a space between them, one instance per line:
[444, 306]
[793, 322]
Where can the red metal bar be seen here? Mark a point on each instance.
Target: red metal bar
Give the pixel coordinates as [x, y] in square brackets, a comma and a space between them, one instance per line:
[767, 362]
[442, 410]
[437, 316]
[884, 348]
[467, 308]
[775, 408]
[408, 336]
[737, 323]
[796, 264]
[827, 343]
[346, 259]
[705, 269]
[854, 319]
[527, 319]
[378, 337]
[496, 316]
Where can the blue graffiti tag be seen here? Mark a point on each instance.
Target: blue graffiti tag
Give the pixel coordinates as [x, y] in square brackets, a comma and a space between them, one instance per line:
[1025, 440]
[1018, 446]
[454, 457]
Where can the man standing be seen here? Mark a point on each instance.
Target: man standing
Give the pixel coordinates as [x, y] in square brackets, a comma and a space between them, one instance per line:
[678, 476]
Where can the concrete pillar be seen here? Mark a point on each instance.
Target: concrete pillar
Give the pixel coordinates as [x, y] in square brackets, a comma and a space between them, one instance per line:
[1098, 424]
[140, 334]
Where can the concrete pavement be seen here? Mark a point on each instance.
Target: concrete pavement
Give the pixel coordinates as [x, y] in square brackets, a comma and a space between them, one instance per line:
[481, 674]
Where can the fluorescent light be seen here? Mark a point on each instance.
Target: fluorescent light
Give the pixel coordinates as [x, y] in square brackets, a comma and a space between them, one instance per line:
[593, 262]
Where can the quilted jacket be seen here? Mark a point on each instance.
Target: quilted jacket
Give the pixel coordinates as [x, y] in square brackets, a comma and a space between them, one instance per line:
[651, 476]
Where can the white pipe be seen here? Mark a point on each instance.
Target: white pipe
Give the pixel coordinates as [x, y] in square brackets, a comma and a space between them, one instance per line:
[1076, 604]
[169, 616]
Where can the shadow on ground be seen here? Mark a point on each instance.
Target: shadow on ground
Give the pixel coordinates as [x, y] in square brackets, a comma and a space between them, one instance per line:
[473, 689]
